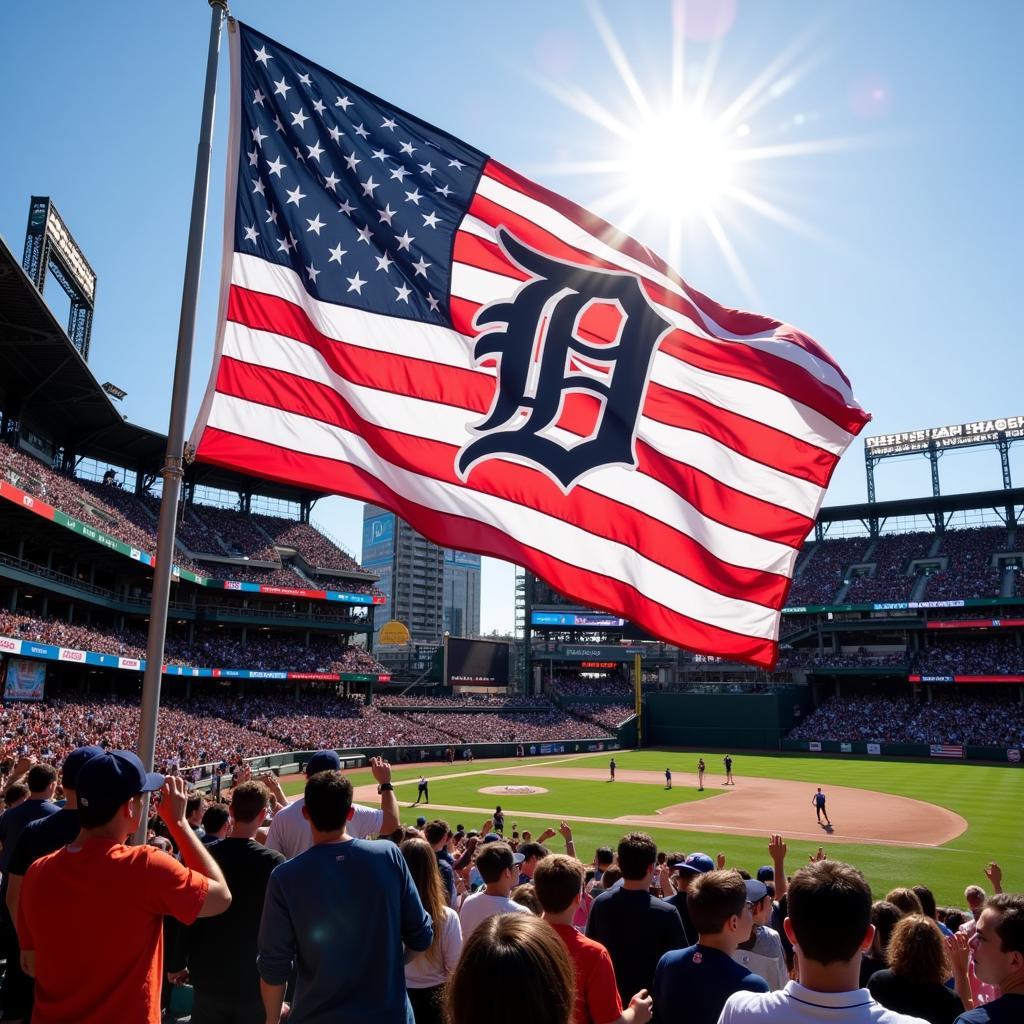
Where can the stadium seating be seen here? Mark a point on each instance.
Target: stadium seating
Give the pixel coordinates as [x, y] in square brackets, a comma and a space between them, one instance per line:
[820, 570]
[948, 718]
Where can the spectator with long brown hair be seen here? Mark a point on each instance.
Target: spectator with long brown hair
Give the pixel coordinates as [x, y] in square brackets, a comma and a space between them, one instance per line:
[914, 981]
[516, 953]
[884, 918]
[427, 973]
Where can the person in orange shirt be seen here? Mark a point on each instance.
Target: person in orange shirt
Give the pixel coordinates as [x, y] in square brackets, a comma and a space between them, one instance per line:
[558, 883]
[119, 893]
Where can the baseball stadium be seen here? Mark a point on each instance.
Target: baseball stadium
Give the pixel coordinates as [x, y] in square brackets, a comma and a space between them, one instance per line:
[765, 695]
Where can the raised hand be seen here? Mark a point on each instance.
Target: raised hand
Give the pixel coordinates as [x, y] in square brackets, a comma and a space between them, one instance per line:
[777, 849]
[380, 769]
[720, 861]
[815, 857]
[994, 873]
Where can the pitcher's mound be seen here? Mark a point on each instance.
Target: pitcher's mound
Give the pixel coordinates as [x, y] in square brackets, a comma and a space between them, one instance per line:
[514, 790]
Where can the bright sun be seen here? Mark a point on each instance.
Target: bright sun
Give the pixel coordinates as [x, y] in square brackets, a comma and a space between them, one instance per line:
[678, 165]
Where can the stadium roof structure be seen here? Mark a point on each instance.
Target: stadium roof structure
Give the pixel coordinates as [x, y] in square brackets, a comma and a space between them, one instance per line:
[47, 384]
[1008, 502]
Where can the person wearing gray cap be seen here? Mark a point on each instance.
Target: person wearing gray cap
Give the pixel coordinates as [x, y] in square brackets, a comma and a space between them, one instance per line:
[290, 833]
[691, 985]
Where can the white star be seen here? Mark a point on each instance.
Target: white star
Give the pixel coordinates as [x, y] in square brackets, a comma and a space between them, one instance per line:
[319, 106]
[258, 136]
[315, 151]
[312, 272]
[272, 217]
[388, 123]
[404, 241]
[277, 123]
[344, 102]
[295, 196]
[457, 164]
[276, 167]
[403, 294]
[420, 266]
[429, 220]
[331, 181]
[282, 88]
[432, 303]
[364, 234]
[379, 154]
[300, 117]
[384, 262]
[352, 161]
[336, 253]
[413, 196]
[305, 80]
[283, 245]
[398, 174]
[258, 186]
[445, 191]
[253, 157]
[335, 133]
[315, 224]
[346, 208]
[355, 284]
[262, 56]
[408, 148]
[251, 234]
[369, 186]
[427, 168]
[258, 97]
[298, 154]
[386, 214]
[361, 131]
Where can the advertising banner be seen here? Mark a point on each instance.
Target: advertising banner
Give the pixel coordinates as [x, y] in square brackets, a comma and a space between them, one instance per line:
[814, 745]
[1013, 755]
[874, 748]
[25, 680]
[846, 748]
[946, 750]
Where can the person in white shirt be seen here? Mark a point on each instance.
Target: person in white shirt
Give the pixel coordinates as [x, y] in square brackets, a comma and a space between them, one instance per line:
[427, 973]
[829, 923]
[762, 953]
[499, 870]
[289, 830]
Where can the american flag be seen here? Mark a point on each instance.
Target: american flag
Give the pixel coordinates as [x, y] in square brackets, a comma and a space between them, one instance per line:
[406, 321]
[947, 750]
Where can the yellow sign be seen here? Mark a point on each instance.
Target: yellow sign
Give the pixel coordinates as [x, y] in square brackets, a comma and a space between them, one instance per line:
[394, 632]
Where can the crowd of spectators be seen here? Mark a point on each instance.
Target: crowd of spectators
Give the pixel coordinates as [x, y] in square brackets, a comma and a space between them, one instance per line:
[86, 503]
[810, 659]
[207, 648]
[821, 570]
[969, 573]
[316, 550]
[611, 716]
[570, 684]
[464, 700]
[439, 925]
[947, 718]
[892, 579]
[989, 655]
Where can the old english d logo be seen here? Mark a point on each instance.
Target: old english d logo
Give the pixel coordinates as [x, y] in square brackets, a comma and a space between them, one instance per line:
[543, 361]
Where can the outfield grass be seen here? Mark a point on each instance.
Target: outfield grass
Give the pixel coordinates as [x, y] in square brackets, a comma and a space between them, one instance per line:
[990, 798]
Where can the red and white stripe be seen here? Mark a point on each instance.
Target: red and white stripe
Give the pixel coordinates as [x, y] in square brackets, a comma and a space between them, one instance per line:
[742, 426]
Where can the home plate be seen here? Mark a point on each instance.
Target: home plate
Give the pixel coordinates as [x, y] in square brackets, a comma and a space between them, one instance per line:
[514, 790]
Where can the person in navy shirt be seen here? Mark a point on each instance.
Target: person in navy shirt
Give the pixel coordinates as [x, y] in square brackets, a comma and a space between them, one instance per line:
[338, 916]
[691, 985]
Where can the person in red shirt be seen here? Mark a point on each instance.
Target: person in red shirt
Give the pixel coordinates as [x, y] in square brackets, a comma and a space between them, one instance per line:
[119, 893]
[558, 883]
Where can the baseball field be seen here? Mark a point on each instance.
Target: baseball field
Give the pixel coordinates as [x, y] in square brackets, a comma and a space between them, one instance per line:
[901, 823]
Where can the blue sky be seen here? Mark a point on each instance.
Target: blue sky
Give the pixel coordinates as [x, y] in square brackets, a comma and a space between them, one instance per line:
[887, 225]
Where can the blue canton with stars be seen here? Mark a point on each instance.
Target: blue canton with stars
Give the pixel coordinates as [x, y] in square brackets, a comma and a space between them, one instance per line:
[359, 198]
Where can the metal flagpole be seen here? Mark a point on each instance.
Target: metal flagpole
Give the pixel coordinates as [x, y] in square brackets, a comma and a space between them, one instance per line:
[172, 471]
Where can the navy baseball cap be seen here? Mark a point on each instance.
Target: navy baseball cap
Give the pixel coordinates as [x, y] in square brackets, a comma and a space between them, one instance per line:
[756, 891]
[323, 761]
[766, 874]
[421, 821]
[696, 863]
[491, 837]
[74, 763]
[112, 778]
